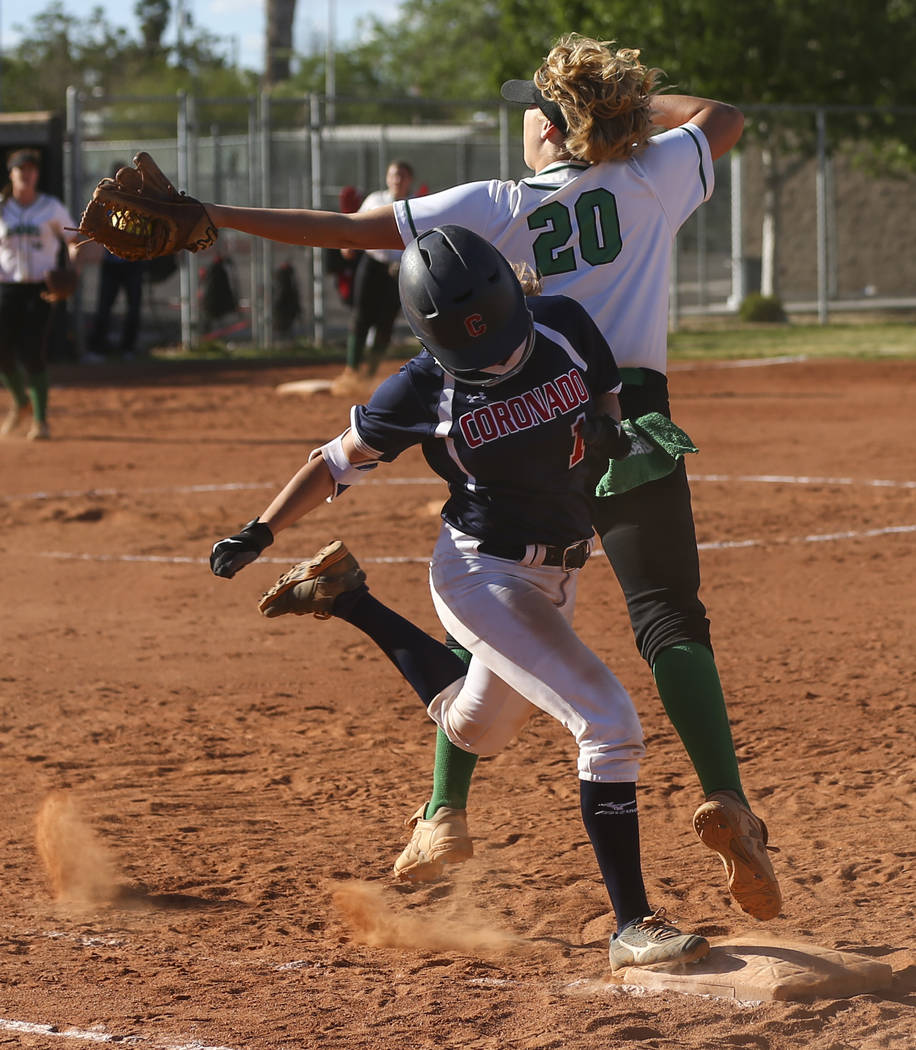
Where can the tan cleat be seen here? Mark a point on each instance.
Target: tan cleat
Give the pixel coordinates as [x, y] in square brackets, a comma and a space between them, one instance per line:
[349, 384]
[727, 826]
[313, 585]
[11, 421]
[441, 840]
[38, 431]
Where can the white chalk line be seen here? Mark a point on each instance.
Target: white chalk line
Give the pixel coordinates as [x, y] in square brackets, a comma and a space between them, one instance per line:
[99, 1035]
[750, 362]
[232, 486]
[712, 545]
[239, 486]
[802, 479]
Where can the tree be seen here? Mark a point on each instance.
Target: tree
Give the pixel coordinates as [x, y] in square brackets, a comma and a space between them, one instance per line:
[278, 40]
[755, 53]
[58, 50]
[153, 16]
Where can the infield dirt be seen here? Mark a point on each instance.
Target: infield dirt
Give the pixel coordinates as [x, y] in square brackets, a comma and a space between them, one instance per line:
[220, 797]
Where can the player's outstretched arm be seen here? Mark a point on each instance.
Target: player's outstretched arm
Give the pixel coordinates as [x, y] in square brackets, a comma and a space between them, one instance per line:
[720, 122]
[302, 493]
[308, 488]
[375, 228]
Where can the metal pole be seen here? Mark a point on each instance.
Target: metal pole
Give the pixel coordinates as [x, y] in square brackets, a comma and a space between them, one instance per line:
[73, 189]
[504, 156]
[192, 188]
[833, 286]
[702, 296]
[823, 272]
[382, 155]
[254, 267]
[739, 284]
[317, 255]
[217, 145]
[267, 333]
[184, 259]
[330, 65]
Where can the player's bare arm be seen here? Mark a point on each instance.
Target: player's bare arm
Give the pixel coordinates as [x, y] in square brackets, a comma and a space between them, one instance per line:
[720, 122]
[375, 228]
[316, 481]
[309, 487]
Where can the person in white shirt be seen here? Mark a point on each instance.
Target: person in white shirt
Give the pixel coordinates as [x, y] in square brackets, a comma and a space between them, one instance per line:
[597, 221]
[375, 288]
[32, 227]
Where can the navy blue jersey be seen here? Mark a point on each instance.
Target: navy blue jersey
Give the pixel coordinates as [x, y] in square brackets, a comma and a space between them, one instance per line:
[512, 454]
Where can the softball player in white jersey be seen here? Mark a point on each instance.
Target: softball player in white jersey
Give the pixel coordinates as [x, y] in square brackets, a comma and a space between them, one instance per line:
[601, 234]
[505, 402]
[598, 221]
[33, 226]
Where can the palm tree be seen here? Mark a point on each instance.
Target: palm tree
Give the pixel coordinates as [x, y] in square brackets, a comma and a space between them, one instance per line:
[279, 42]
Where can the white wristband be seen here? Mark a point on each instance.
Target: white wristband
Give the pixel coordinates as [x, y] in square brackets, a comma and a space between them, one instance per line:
[341, 469]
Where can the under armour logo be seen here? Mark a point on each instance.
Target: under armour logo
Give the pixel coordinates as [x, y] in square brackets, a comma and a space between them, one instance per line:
[475, 325]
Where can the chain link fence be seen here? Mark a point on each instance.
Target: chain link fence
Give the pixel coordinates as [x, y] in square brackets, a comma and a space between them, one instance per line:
[825, 225]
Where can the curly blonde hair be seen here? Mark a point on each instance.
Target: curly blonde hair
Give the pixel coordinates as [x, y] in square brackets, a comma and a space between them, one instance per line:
[527, 278]
[605, 94]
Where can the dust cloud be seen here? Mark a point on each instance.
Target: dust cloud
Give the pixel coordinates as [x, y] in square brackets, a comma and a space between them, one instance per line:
[79, 868]
[374, 922]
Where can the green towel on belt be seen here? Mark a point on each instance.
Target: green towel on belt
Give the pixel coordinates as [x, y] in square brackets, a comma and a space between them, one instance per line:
[657, 446]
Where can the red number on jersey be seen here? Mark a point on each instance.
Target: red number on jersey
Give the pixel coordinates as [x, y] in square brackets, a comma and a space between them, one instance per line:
[578, 452]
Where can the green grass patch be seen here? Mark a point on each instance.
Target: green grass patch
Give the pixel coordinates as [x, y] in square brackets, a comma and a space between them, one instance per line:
[696, 340]
[794, 340]
[216, 350]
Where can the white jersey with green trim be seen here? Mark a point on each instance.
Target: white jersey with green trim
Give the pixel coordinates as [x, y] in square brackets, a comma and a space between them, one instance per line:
[30, 237]
[600, 233]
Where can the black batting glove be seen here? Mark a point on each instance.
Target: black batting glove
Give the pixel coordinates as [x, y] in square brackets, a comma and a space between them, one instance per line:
[235, 552]
[604, 437]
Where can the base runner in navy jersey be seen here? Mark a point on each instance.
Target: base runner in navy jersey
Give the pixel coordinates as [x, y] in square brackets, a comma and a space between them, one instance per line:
[597, 221]
[509, 400]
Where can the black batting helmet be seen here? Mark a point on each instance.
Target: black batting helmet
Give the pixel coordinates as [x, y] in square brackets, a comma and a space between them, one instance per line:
[463, 302]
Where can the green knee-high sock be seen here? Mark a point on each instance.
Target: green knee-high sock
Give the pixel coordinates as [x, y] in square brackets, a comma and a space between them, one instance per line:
[38, 395]
[12, 380]
[355, 348]
[688, 684]
[453, 768]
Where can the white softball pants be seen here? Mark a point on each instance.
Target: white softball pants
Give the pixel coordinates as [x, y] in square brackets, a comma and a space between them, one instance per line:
[516, 621]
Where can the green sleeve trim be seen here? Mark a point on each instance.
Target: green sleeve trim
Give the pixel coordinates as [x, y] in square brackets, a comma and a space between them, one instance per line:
[700, 154]
[413, 228]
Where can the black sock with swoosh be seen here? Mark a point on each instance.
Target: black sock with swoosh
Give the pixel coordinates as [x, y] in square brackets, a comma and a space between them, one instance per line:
[610, 815]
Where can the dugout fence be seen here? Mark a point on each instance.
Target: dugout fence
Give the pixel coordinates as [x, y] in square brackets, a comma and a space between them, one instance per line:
[818, 213]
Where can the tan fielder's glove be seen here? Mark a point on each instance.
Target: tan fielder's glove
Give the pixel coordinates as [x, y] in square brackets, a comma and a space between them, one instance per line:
[60, 284]
[140, 215]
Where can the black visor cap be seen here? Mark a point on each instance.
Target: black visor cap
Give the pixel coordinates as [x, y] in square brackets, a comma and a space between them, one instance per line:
[525, 92]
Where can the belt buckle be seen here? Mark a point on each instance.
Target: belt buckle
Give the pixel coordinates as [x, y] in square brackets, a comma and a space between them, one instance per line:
[575, 548]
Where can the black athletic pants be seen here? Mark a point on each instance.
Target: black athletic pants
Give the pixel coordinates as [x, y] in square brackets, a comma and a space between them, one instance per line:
[25, 327]
[113, 276]
[649, 538]
[375, 303]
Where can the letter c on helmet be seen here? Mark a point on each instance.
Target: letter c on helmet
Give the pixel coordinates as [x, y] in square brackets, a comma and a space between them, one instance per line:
[475, 325]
